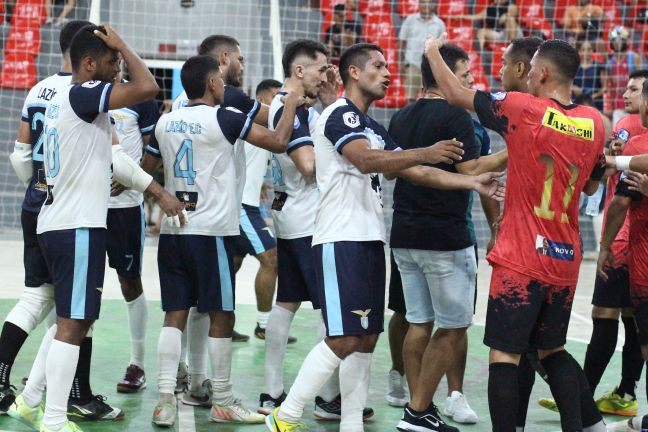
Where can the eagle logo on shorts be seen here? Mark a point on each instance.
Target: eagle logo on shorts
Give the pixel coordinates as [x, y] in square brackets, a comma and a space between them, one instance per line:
[364, 317]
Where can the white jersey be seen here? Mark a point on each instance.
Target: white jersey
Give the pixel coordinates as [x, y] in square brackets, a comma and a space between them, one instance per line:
[296, 196]
[350, 206]
[132, 124]
[33, 113]
[256, 166]
[77, 140]
[196, 144]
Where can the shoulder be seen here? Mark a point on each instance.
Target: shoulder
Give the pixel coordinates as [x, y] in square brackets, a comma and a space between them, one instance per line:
[637, 145]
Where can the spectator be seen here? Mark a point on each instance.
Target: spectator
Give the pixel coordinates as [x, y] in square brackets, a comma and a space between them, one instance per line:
[411, 42]
[499, 23]
[585, 20]
[622, 63]
[51, 5]
[341, 34]
[591, 76]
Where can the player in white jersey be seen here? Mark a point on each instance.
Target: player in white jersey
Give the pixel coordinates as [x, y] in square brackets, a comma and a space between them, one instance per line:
[77, 157]
[350, 150]
[197, 143]
[37, 299]
[126, 235]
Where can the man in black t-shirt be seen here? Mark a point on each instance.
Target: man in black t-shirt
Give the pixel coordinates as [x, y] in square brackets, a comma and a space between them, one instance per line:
[433, 248]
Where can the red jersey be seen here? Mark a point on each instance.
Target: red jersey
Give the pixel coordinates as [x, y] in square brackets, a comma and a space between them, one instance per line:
[637, 217]
[553, 150]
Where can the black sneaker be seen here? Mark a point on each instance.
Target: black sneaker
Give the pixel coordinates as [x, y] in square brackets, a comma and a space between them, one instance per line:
[259, 333]
[428, 420]
[333, 410]
[267, 403]
[238, 337]
[95, 410]
[7, 397]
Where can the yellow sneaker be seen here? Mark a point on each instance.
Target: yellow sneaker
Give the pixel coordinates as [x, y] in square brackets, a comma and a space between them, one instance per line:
[68, 427]
[613, 403]
[275, 424]
[30, 417]
[548, 403]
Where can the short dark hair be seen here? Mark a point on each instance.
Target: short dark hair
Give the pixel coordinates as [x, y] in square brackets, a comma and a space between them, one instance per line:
[267, 84]
[356, 55]
[213, 42]
[194, 74]
[451, 54]
[562, 55]
[643, 73]
[294, 49]
[523, 49]
[86, 43]
[68, 31]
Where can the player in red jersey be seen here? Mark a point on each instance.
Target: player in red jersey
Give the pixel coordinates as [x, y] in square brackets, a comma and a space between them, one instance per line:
[555, 152]
[635, 205]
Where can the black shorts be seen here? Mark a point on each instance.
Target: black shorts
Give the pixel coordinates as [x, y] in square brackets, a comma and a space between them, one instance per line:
[126, 237]
[196, 270]
[525, 312]
[296, 277]
[255, 237]
[351, 284]
[615, 292]
[396, 300]
[36, 271]
[77, 258]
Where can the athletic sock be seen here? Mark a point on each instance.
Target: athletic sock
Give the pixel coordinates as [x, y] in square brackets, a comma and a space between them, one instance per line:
[262, 318]
[275, 349]
[50, 318]
[526, 379]
[61, 363]
[137, 321]
[631, 359]
[600, 349]
[590, 414]
[168, 351]
[220, 351]
[318, 366]
[33, 392]
[198, 330]
[563, 382]
[503, 394]
[331, 388]
[183, 346]
[12, 339]
[80, 389]
[355, 372]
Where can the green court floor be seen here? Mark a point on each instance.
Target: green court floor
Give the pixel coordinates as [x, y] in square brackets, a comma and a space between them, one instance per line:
[111, 354]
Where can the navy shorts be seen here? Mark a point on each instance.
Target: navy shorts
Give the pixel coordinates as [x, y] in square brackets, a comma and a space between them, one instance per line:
[255, 237]
[196, 270]
[396, 301]
[36, 271]
[125, 243]
[77, 259]
[351, 284]
[297, 280]
[615, 292]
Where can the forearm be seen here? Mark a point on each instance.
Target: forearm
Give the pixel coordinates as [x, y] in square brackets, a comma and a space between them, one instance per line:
[490, 163]
[437, 178]
[455, 93]
[150, 163]
[639, 164]
[138, 72]
[390, 162]
[614, 220]
[491, 211]
[155, 189]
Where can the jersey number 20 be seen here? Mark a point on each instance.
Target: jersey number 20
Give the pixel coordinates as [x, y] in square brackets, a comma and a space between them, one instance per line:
[53, 163]
[185, 153]
[544, 211]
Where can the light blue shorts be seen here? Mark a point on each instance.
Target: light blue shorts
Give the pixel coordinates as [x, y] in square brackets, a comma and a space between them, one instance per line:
[438, 286]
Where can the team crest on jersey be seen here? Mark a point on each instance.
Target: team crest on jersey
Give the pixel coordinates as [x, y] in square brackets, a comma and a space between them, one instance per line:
[90, 84]
[573, 126]
[364, 317]
[499, 96]
[351, 119]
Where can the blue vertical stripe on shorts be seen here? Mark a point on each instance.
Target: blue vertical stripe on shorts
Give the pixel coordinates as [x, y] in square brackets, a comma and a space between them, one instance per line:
[227, 291]
[332, 291]
[80, 281]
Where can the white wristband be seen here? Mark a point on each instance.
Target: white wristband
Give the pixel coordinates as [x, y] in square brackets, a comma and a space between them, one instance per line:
[623, 163]
[127, 172]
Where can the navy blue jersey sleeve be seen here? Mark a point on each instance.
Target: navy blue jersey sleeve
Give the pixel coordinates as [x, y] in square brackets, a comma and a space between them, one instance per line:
[235, 98]
[233, 124]
[343, 126]
[153, 148]
[90, 98]
[623, 189]
[148, 115]
[300, 135]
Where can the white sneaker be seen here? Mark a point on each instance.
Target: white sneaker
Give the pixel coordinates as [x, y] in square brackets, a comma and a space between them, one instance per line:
[398, 393]
[456, 406]
[234, 412]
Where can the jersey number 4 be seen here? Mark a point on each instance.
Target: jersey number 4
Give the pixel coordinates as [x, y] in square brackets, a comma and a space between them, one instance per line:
[185, 157]
[544, 211]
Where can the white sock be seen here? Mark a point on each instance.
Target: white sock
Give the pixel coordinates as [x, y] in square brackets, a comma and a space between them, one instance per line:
[61, 365]
[262, 318]
[275, 349]
[198, 328]
[50, 319]
[137, 320]
[318, 366]
[331, 388]
[598, 427]
[355, 372]
[33, 392]
[220, 351]
[168, 358]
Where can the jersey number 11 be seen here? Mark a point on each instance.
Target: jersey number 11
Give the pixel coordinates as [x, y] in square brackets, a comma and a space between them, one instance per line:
[544, 211]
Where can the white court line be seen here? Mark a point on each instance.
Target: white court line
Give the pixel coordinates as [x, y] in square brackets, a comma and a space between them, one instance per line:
[186, 420]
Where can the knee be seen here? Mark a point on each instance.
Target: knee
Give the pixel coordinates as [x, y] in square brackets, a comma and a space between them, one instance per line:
[605, 313]
[268, 259]
[221, 323]
[176, 319]
[72, 331]
[449, 335]
[343, 346]
[543, 354]
[131, 288]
